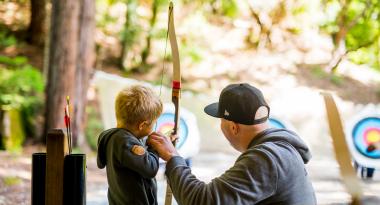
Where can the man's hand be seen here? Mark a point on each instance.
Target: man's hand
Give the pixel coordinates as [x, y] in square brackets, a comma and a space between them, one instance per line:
[162, 145]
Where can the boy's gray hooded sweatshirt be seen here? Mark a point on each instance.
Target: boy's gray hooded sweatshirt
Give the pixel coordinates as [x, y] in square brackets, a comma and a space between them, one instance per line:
[130, 176]
[270, 171]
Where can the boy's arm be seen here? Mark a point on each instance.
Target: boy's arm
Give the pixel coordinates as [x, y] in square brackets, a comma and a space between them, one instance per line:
[137, 158]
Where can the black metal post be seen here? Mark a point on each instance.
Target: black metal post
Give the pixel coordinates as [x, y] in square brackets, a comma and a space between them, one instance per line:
[38, 178]
[74, 184]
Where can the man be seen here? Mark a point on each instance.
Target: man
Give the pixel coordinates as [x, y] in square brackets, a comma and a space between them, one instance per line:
[270, 169]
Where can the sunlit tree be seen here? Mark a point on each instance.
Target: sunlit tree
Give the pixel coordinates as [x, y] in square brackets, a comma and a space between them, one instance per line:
[355, 28]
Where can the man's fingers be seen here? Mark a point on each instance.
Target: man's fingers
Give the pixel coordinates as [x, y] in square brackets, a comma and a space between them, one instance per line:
[158, 137]
[173, 137]
[154, 137]
[154, 142]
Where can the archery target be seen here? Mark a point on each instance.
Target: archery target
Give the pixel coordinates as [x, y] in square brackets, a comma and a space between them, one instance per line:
[188, 142]
[365, 132]
[276, 123]
[165, 124]
[362, 130]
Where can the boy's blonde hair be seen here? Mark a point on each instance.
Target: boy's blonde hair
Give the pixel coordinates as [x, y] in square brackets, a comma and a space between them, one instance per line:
[136, 104]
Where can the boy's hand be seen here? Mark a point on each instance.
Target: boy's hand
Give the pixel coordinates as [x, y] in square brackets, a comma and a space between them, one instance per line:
[163, 145]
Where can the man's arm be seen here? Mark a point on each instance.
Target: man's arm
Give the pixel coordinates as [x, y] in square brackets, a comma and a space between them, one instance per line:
[253, 178]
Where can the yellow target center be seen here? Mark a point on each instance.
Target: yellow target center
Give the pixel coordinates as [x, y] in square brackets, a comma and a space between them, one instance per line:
[373, 136]
[166, 129]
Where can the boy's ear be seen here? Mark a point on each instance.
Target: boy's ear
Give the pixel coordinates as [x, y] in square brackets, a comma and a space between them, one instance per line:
[143, 124]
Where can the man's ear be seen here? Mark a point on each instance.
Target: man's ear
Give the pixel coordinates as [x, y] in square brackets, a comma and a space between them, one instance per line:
[235, 128]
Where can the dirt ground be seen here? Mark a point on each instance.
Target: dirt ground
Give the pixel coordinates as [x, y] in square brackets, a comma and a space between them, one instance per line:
[15, 178]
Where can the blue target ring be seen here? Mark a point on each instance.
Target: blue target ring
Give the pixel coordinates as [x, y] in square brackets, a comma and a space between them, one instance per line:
[165, 124]
[365, 132]
[276, 123]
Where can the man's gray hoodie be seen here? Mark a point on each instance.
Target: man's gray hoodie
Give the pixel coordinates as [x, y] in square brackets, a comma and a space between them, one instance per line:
[130, 175]
[270, 171]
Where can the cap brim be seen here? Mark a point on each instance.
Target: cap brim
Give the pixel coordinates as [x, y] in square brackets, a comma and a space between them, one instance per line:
[212, 110]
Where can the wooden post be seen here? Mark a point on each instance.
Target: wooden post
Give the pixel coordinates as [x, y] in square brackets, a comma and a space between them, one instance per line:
[57, 149]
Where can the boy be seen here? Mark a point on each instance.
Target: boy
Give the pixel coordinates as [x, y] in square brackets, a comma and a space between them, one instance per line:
[130, 165]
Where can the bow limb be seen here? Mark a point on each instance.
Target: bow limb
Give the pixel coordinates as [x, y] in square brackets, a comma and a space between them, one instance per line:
[342, 152]
[176, 85]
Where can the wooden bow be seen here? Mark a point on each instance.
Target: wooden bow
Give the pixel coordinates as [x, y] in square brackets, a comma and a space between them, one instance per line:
[176, 82]
[176, 85]
[342, 152]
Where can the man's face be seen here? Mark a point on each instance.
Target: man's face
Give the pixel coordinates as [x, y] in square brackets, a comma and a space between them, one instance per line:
[227, 129]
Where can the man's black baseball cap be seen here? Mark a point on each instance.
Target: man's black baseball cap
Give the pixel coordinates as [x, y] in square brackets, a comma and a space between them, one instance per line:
[240, 103]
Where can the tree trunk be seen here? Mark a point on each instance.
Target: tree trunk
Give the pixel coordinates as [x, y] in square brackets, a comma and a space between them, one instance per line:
[146, 52]
[84, 69]
[2, 146]
[62, 60]
[37, 26]
[129, 34]
[264, 36]
[340, 50]
[338, 54]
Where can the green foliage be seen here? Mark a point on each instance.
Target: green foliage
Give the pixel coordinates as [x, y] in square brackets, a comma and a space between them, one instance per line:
[21, 88]
[366, 55]
[7, 40]
[94, 127]
[336, 79]
[13, 142]
[104, 17]
[11, 180]
[192, 51]
[361, 34]
[322, 74]
[131, 28]
[13, 62]
[77, 150]
[229, 8]
[159, 33]
[319, 72]
[378, 91]
[361, 20]
[299, 9]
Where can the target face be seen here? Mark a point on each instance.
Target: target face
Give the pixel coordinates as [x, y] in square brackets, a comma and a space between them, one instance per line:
[165, 124]
[366, 132]
[276, 123]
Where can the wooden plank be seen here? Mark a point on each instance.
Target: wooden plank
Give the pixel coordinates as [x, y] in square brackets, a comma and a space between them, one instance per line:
[56, 149]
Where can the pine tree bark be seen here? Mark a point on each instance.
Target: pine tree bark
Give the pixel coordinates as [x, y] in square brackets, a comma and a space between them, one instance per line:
[84, 68]
[37, 27]
[62, 60]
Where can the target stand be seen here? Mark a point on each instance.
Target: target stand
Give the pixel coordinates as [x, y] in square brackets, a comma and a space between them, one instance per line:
[361, 132]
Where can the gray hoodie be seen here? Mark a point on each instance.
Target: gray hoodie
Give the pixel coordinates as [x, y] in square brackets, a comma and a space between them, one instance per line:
[130, 176]
[271, 171]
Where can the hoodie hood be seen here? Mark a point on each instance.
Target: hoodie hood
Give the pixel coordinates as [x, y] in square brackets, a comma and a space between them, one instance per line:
[273, 135]
[103, 140]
